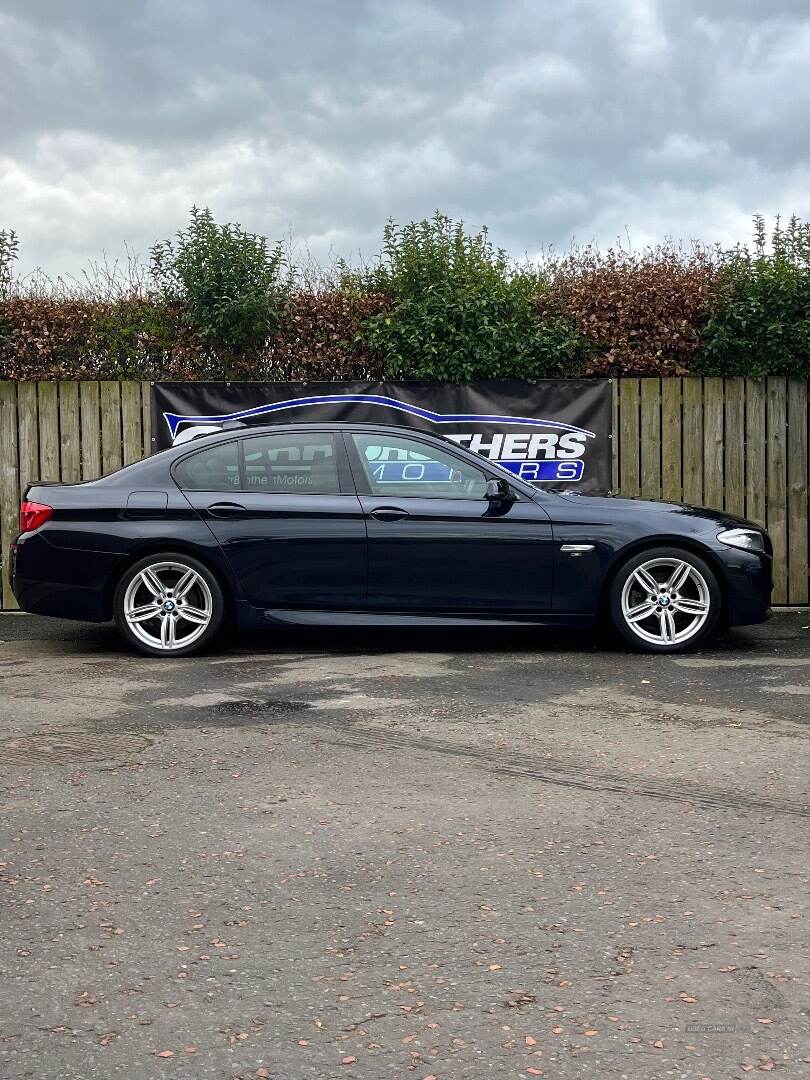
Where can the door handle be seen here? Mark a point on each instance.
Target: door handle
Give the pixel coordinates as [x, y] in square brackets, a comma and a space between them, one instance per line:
[388, 513]
[225, 509]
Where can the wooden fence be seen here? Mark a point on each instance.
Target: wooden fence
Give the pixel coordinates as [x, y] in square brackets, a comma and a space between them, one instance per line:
[736, 444]
[64, 431]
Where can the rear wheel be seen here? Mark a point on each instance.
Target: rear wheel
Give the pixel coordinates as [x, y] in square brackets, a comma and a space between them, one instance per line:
[665, 600]
[168, 605]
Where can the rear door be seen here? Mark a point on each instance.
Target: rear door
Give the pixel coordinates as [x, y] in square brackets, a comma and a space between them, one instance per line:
[285, 513]
[435, 544]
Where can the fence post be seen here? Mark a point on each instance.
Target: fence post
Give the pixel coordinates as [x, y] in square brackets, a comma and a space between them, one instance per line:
[734, 446]
[671, 439]
[69, 428]
[629, 438]
[9, 484]
[797, 483]
[651, 438]
[755, 439]
[776, 463]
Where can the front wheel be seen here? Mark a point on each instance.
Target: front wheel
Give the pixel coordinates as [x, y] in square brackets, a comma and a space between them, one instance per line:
[168, 605]
[665, 600]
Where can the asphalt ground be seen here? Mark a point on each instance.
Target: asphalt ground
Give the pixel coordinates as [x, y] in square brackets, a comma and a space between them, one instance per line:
[404, 854]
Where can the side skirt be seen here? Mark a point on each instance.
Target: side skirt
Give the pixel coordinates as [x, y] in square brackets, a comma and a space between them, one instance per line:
[250, 617]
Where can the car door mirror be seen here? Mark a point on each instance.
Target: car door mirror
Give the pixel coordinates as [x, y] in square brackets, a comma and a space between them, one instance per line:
[499, 491]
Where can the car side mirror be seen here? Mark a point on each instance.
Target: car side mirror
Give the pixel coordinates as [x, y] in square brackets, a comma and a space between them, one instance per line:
[499, 491]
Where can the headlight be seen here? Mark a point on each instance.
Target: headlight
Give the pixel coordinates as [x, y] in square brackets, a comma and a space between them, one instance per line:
[749, 539]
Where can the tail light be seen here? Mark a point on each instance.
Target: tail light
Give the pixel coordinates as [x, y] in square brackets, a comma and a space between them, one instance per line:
[33, 515]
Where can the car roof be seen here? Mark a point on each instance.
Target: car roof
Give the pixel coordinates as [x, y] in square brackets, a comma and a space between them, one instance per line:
[237, 430]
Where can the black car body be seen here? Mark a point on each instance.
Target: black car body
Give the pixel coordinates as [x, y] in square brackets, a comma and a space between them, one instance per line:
[347, 524]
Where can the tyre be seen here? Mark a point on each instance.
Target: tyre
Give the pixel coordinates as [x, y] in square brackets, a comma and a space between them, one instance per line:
[665, 599]
[168, 605]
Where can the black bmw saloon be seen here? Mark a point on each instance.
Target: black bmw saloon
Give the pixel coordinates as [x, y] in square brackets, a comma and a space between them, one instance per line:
[341, 524]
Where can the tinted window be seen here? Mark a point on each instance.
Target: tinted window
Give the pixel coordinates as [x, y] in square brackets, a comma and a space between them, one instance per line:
[399, 466]
[300, 464]
[216, 469]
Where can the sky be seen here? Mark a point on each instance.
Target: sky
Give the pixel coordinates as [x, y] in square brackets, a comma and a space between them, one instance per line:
[550, 121]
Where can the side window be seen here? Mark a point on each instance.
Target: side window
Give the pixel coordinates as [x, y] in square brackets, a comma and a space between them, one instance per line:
[303, 464]
[216, 469]
[398, 466]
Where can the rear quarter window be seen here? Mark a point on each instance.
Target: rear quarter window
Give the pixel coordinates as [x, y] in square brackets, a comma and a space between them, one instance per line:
[215, 469]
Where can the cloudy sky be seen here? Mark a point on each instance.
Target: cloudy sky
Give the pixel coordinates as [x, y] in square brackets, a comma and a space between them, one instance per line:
[548, 120]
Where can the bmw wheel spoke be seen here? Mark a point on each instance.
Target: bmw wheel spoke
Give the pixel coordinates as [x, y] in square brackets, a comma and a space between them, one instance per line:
[667, 624]
[152, 582]
[167, 632]
[142, 613]
[646, 580]
[679, 577]
[690, 607]
[193, 614]
[640, 612]
[185, 583]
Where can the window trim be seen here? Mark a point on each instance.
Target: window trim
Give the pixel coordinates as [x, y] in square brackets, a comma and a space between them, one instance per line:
[364, 487]
[344, 475]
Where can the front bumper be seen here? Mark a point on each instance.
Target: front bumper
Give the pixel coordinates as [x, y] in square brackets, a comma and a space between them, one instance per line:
[749, 583]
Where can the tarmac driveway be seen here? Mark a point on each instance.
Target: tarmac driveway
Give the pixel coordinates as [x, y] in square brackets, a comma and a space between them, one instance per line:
[450, 855]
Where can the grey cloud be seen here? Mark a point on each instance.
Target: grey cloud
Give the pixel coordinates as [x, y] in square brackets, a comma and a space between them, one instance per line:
[548, 122]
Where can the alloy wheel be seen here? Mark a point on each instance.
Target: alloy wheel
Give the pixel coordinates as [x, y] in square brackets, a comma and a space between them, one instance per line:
[665, 601]
[168, 606]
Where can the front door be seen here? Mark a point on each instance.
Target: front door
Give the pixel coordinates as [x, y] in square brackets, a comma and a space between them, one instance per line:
[435, 544]
[286, 515]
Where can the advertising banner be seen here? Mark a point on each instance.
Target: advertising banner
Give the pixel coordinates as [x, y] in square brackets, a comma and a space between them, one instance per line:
[554, 433]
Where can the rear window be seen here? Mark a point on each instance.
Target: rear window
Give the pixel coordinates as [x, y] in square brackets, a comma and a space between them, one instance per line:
[303, 464]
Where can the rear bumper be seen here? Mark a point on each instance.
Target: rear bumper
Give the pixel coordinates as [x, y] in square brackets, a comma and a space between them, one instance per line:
[62, 582]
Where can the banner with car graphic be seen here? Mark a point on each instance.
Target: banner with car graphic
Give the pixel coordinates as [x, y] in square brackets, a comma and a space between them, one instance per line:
[554, 433]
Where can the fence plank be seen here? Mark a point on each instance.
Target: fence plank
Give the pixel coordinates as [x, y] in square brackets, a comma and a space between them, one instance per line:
[90, 430]
[70, 444]
[629, 436]
[693, 441]
[146, 413]
[131, 421]
[797, 492]
[110, 426]
[713, 443]
[671, 454]
[755, 435]
[734, 446]
[48, 407]
[9, 484]
[651, 438]
[777, 483]
[28, 426]
[615, 390]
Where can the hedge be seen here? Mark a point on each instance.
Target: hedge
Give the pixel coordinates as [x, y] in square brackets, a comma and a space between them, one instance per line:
[439, 302]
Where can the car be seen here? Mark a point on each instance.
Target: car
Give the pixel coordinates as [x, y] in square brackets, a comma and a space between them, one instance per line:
[360, 524]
